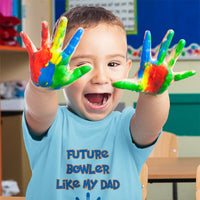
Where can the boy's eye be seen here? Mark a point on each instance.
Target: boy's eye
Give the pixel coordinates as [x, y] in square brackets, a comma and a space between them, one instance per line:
[82, 64]
[113, 64]
[79, 64]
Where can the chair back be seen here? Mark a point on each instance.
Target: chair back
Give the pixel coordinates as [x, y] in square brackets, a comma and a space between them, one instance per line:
[198, 183]
[166, 146]
[144, 180]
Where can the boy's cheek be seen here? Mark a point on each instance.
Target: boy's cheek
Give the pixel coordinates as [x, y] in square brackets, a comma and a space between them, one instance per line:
[120, 75]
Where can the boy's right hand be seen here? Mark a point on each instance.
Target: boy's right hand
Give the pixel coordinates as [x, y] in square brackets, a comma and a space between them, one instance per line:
[49, 65]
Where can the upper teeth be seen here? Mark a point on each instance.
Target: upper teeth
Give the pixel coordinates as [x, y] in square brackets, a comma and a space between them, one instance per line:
[105, 99]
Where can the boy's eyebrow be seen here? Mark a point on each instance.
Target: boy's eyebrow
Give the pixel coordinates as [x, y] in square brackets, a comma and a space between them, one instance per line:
[116, 55]
[92, 56]
[81, 57]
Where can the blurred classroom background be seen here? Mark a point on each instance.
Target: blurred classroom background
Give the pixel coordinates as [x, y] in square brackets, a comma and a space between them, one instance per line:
[138, 15]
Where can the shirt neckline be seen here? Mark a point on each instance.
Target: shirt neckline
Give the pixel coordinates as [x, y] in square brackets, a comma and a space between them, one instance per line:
[83, 121]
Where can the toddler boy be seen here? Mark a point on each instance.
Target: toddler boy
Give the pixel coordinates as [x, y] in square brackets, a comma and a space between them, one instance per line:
[85, 150]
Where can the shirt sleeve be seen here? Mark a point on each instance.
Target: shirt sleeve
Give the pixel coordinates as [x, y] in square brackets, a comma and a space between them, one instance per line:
[35, 147]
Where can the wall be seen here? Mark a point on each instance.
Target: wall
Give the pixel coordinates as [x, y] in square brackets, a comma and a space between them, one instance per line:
[34, 12]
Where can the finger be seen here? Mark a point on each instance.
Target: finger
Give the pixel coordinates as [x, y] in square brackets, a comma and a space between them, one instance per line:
[73, 42]
[67, 53]
[183, 75]
[175, 53]
[28, 43]
[63, 77]
[45, 35]
[164, 46]
[146, 50]
[77, 73]
[146, 53]
[128, 85]
[60, 33]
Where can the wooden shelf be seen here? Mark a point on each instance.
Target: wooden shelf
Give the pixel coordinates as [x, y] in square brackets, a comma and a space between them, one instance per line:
[12, 105]
[14, 62]
[12, 48]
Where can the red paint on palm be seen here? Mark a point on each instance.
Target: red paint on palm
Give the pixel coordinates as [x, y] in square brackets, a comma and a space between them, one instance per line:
[39, 61]
[157, 76]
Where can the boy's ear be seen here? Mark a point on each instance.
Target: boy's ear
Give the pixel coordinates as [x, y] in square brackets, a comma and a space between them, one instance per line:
[129, 64]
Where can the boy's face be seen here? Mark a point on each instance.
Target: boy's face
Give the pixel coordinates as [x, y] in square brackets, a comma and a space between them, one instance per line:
[104, 48]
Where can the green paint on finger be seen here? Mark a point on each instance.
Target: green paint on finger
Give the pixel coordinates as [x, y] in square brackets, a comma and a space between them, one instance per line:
[164, 47]
[187, 74]
[127, 85]
[178, 51]
[63, 77]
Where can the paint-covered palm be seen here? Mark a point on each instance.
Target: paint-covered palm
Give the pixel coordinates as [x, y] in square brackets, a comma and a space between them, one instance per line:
[156, 74]
[49, 65]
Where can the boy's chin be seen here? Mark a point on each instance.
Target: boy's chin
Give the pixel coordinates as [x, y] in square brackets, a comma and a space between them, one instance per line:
[89, 116]
[94, 116]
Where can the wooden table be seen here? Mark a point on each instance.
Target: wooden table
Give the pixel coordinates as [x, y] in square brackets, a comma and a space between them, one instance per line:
[181, 169]
[12, 198]
[172, 169]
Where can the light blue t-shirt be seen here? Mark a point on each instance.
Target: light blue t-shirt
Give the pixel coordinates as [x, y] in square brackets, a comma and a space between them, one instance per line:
[85, 160]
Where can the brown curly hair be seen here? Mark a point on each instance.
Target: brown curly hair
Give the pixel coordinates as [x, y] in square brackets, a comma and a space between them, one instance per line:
[88, 16]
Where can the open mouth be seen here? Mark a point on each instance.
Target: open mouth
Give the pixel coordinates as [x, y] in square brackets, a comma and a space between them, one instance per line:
[97, 100]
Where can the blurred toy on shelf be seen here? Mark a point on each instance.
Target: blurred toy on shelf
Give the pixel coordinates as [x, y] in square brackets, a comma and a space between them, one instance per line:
[8, 32]
[12, 89]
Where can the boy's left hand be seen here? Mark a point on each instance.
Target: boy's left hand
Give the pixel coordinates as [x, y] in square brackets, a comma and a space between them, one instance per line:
[156, 74]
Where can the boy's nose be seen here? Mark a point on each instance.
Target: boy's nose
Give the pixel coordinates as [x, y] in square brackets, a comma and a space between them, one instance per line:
[100, 76]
